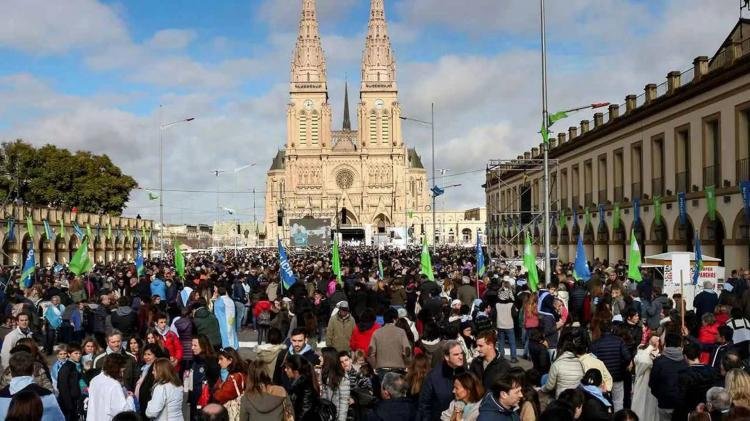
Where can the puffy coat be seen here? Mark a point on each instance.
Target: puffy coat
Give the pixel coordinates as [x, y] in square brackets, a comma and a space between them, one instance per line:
[614, 354]
[491, 410]
[361, 336]
[184, 327]
[303, 397]
[204, 369]
[225, 391]
[266, 406]
[496, 368]
[339, 332]
[565, 373]
[401, 409]
[68, 383]
[664, 380]
[207, 324]
[437, 392]
[173, 345]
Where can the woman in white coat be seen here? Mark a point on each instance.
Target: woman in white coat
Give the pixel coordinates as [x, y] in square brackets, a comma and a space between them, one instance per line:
[644, 403]
[107, 396]
[166, 398]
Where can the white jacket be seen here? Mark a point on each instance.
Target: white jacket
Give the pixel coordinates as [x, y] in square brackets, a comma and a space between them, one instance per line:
[165, 403]
[107, 398]
[9, 342]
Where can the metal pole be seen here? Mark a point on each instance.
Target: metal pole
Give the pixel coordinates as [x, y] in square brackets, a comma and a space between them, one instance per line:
[161, 185]
[432, 125]
[255, 222]
[545, 125]
[218, 211]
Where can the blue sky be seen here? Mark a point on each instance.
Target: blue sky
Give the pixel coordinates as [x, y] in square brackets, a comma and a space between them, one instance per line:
[88, 74]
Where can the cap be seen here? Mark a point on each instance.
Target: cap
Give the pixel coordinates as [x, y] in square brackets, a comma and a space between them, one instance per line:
[456, 303]
[402, 313]
[343, 305]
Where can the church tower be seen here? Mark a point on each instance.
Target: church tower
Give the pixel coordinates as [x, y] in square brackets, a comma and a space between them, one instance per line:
[308, 113]
[380, 125]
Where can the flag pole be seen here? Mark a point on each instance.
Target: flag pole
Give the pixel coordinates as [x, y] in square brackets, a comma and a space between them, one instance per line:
[682, 297]
[545, 146]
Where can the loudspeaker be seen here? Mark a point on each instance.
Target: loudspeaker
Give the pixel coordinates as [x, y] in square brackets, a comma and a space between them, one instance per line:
[526, 216]
[279, 217]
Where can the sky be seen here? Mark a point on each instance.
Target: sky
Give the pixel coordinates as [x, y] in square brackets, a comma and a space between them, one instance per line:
[102, 76]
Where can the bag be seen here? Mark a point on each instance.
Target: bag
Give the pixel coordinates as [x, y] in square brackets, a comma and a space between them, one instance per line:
[327, 410]
[233, 406]
[288, 410]
[264, 318]
[205, 396]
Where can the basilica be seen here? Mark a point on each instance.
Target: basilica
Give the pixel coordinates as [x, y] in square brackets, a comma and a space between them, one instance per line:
[363, 182]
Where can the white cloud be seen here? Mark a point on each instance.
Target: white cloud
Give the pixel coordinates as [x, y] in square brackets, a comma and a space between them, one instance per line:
[284, 15]
[171, 39]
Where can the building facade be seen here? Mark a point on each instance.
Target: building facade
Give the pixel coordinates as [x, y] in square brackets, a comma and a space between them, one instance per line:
[194, 236]
[363, 179]
[686, 137]
[114, 237]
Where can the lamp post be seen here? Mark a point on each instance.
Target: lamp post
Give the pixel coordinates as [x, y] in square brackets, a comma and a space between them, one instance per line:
[216, 173]
[162, 128]
[430, 123]
[236, 172]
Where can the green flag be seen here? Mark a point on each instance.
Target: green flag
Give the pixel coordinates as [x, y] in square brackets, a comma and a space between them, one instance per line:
[529, 262]
[634, 262]
[616, 217]
[109, 231]
[551, 119]
[657, 210]
[179, 260]
[62, 228]
[30, 227]
[143, 232]
[586, 218]
[88, 231]
[336, 260]
[561, 220]
[426, 262]
[81, 262]
[411, 214]
[711, 202]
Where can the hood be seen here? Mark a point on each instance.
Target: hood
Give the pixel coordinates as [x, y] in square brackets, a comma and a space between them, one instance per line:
[268, 352]
[202, 313]
[365, 326]
[597, 393]
[264, 402]
[674, 354]
[18, 383]
[305, 350]
[491, 406]
[123, 311]
[431, 346]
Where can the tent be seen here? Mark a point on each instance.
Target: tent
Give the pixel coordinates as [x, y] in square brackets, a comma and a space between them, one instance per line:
[663, 263]
[666, 259]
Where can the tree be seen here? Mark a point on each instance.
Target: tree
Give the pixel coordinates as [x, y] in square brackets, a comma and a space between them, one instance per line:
[54, 176]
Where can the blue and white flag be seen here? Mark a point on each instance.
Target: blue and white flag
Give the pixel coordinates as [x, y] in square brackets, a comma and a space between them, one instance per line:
[745, 190]
[53, 315]
[698, 259]
[636, 210]
[437, 191]
[224, 312]
[139, 267]
[602, 215]
[48, 232]
[11, 228]
[682, 206]
[581, 269]
[285, 269]
[185, 295]
[78, 230]
[27, 276]
[118, 233]
[480, 259]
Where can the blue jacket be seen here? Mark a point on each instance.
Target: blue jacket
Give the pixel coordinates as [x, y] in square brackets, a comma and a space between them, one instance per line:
[401, 409]
[614, 354]
[158, 287]
[665, 378]
[491, 410]
[52, 410]
[437, 392]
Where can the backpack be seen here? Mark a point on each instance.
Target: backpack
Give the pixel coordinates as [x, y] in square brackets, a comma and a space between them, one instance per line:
[264, 318]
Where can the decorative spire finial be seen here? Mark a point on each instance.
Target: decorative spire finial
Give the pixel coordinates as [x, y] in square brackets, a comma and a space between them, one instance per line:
[378, 64]
[308, 61]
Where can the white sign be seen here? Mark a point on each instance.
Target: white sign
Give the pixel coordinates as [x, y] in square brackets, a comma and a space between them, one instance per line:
[714, 274]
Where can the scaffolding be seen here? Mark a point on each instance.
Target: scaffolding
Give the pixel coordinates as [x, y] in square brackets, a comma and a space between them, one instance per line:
[504, 218]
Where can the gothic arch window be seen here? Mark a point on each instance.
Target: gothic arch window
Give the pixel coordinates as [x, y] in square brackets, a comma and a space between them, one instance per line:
[385, 125]
[303, 128]
[314, 128]
[373, 126]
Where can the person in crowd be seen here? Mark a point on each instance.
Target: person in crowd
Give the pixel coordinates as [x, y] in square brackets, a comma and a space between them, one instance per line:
[61, 351]
[718, 403]
[567, 407]
[395, 404]
[505, 325]
[335, 385]
[124, 318]
[114, 346]
[625, 415]
[70, 384]
[340, 328]
[644, 402]
[22, 330]
[360, 386]
[595, 407]
[468, 392]
[25, 406]
[364, 328]
[613, 352]
[135, 347]
[389, 347]
[166, 397]
[53, 312]
[206, 322]
[205, 373]
[170, 340]
[537, 351]
[437, 390]
[231, 381]
[416, 374]
[262, 400]
[107, 394]
[695, 381]
[90, 349]
[271, 354]
[299, 346]
[566, 371]
[303, 390]
[740, 331]
[707, 335]
[146, 381]
[501, 402]
[489, 365]
[737, 384]
[41, 372]
[21, 364]
[705, 302]
[665, 373]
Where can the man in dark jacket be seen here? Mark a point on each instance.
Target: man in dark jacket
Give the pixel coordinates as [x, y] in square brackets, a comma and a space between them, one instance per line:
[206, 323]
[395, 405]
[124, 318]
[577, 297]
[437, 390]
[501, 400]
[489, 365]
[653, 312]
[706, 300]
[694, 382]
[665, 376]
[131, 373]
[68, 384]
[613, 352]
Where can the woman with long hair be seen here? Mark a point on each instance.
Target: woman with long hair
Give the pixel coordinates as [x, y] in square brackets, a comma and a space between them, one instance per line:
[303, 392]
[166, 398]
[147, 379]
[334, 384]
[42, 376]
[737, 383]
[135, 347]
[530, 319]
[262, 400]
[25, 405]
[89, 348]
[204, 371]
[468, 393]
[416, 374]
[153, 337]
[107, 396]
[231, 381]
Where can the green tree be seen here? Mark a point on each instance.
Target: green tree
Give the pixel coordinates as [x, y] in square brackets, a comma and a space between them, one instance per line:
[54, 176]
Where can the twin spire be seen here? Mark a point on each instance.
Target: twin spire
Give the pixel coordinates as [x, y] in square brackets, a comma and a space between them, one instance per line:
[309, 65]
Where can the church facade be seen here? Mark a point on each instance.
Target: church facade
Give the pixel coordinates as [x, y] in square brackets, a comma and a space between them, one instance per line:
[364, 181]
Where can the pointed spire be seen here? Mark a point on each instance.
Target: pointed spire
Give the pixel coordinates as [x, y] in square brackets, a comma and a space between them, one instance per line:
[308, 62]
[378, 64]
[347, 121]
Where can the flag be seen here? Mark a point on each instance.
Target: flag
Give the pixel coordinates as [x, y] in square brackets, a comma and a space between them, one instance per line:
[81, 262]
[411, 214]
[287, 274]
[636, 210]
[62, 228]
[229, 211]
[179, 260]
[27, 276]
[143, 232]
[152, 195]
[745, 190]
[109, 231]
[480, 259]
[426, 262]
[634, 262]
[657, 210]
[602, 215]
[139, 267]
[529, 262]
[224, 311]
[682, 206]
[78, 230]
[381, 275]
[616, 217]
[30, 227]
[575, 215]
[48, 231]
[711, 202]
[437, 191]
[581, 269]
[88, 231]
[587, 218]
[127, 233]
[11, 228]
[698, 259]
[336, 259]
[551, 119]
[561, 221]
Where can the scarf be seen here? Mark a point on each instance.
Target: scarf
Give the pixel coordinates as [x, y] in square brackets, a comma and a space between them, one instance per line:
[163, 332]
[596, 392]
[304, 350]
[224, 374]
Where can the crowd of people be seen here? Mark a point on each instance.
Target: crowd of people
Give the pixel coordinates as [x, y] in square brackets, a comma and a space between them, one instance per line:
[376, 345]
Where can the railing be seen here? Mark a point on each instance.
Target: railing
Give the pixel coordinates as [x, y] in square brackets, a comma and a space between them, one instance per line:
[603, 196]
[711, 176]
[687, 76]
[636, 190]
[682, 181]
[719, 61]
[743, 170]
[657, 186]
[576, 202]
[619, 193]
[661, 89]
[588, 199]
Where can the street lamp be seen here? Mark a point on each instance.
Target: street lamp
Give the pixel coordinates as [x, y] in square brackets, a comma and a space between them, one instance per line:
[430, 123]
[236, 176]
[162, 128]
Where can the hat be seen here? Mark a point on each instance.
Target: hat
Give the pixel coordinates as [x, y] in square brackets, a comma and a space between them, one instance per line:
[402, 313]
[286, 299]
[617, 318]
[456, 303]
[343, 305]
[465, 280]
[465, 324]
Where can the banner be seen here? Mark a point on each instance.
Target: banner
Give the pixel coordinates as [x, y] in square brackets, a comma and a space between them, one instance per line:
[657, 210]
[307, 232]
[287, 274]
[602, 215]
[745, 190]
[636, 210]
[682, 206]
[711, 202]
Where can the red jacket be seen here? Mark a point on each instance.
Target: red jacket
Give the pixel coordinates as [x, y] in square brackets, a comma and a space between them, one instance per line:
[361, 340]
[224, 391]
[173, 345]
[261, 306]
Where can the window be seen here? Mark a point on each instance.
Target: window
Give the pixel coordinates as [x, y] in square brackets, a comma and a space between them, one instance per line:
[619, 175]
[303, 128]
[601, 170]
[682, 158]
[711, 151]
[314, 128]
[657, 165]
[636, 169]
[386, 127]
[373, 127]
[576, 186]
[588, 183]
[743, 144]
[564, 188]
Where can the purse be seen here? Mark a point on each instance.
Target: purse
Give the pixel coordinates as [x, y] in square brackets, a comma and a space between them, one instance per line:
[233, 406]
[288, 410]
[205, 396]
